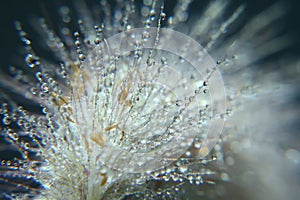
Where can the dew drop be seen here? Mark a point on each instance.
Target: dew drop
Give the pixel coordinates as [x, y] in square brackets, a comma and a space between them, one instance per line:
[191, 179]
[188, 154]
[166, 178]
[44, 87]
[198, 182]
[33, 90]
[176, 189]
[147, 23]
[164, 60]
[8, 163]
[163, 15]
[145, 35]
[97, 40]
[45, 110]
[39, 76]
[152, 14]
[32, 60]
[76, 34]
[183, 168]
[81, 57]
[6, 120]
[175, 177]
[77, 43]
[26, 145]
[197, 145]
[150, 62]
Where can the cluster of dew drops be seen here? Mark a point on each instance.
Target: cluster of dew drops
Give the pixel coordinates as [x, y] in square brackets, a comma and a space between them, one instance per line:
[26, 130]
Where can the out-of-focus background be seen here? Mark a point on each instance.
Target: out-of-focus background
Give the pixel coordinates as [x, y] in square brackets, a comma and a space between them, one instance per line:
[24, 11]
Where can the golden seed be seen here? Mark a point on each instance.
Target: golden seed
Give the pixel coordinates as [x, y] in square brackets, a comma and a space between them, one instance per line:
[98, 138]
[113, 126]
